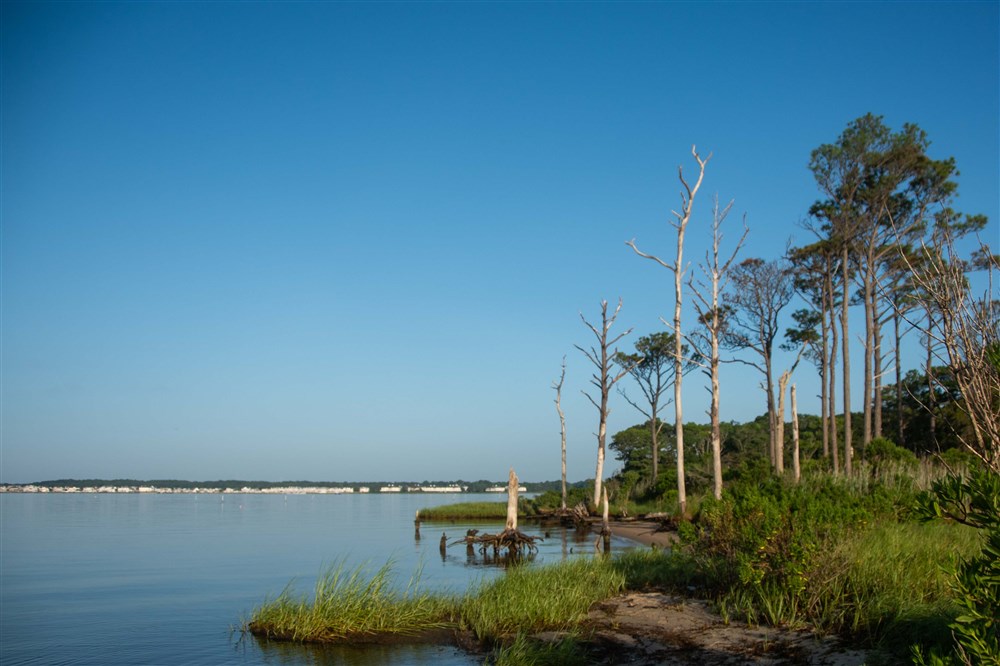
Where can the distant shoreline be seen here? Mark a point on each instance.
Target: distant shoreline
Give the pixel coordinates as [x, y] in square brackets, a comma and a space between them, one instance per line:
[237, 489]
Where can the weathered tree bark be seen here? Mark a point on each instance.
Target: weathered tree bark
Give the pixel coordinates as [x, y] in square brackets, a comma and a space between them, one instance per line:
[869, 353]
[929, 373]
[605, 526]
[677, 267]
[779, 431]
[824, 373]
[832, 378]
[562, 427]
[603, 380]
[845, 351]
[511, 501]
[796, 469]
[709, 314]
[899, 378]
[877, 377]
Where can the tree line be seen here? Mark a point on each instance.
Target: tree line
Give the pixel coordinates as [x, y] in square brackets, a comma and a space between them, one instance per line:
[884, 240]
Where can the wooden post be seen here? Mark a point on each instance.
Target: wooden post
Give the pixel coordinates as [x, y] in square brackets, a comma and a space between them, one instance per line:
[512, 501]
[416, 526]
[795, 437]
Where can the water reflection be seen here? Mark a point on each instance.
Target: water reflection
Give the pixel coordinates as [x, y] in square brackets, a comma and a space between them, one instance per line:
[553, 541]
[295, 654]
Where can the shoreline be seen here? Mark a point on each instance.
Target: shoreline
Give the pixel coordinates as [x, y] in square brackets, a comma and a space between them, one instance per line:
[646, 532]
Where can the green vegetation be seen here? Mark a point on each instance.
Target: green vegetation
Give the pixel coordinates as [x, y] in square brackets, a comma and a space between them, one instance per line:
[474, 511]
[532, 599]
[348, 606]
[862, 557]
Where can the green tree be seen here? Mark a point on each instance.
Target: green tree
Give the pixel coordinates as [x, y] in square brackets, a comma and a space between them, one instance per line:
[653, 370]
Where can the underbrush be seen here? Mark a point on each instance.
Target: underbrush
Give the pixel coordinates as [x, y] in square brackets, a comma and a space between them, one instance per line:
[839, 555]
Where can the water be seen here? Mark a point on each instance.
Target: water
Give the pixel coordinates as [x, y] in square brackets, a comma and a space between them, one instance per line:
[165, 579]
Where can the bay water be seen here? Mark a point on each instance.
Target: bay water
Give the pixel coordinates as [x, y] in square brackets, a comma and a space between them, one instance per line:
[114, 579]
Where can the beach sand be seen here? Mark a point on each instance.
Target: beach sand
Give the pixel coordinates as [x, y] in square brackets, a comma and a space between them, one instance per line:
[646, 532]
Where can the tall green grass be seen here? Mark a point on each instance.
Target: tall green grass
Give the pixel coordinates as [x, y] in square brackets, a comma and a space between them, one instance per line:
[471, 511]
[531, 599]
[882, 575]
[351, 605]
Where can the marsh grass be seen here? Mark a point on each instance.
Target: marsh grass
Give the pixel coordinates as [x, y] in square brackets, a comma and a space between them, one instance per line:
[352, 605]
[530, 599]
[469, 511]
[525, 651]
[890, 583]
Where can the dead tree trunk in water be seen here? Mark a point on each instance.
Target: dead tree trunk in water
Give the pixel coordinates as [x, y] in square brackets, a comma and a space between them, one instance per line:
[562, 426]
[511, 501]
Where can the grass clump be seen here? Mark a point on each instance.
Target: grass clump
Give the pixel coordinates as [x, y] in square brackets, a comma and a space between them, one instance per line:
[531, 599]
[349, 605]
[526, 651]
[473, 511]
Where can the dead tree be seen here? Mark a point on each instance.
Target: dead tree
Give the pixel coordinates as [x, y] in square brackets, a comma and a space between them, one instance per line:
[513, 540]
[562, 427]
[968, 336]
[796, 468]
[713, 320]
[680, 223]
[604, 379]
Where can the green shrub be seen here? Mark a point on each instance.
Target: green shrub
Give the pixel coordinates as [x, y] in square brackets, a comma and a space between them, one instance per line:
[882, 450]
[975, 501]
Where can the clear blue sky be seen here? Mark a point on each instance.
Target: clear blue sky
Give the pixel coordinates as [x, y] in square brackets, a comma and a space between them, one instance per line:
[352, 241]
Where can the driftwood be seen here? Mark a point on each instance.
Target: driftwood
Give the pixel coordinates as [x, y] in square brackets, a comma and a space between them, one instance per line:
[514, 541]
[511, 538]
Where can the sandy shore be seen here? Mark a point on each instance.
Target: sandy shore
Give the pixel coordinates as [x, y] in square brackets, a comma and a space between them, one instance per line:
[653, 628]
[649, 533]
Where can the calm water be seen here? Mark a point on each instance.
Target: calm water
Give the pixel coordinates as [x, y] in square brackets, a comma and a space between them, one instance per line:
[164, 579]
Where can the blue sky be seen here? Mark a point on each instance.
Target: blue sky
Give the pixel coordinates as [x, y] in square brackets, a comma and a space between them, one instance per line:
[352, 241]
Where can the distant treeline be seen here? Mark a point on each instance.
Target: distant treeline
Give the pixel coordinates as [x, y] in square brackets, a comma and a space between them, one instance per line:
[222, 484]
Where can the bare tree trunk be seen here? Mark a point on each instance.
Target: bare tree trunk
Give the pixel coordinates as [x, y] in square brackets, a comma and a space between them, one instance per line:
[603, 380]
[824, 373]
[779, 435]
[716, 428]
[845, 342]
[562, 426]
[687, 197]
[877, 378]
[832, 392]
[654, 431]
[772, 417]
[605, 526]
[511, 500]
[602, 434]
[869, 296]
[929, 372]
[796, 470]
[899, 379]
[708, 313]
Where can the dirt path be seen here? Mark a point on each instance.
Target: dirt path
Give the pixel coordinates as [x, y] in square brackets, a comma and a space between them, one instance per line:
[646, 628]
[655, 628]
